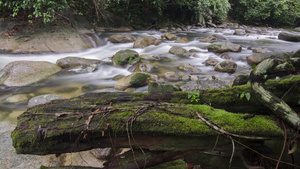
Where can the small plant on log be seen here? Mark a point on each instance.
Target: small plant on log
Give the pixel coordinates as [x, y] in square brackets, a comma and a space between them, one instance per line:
[247, 95]
[194, 96]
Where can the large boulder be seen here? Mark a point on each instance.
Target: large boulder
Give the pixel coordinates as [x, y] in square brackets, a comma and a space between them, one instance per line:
[121, 38]
[226, 66]
[22, 73]
[161, 87]
[134, 80]
[289, 36]
[145, 41]
[78, 64]
[221, 47]
[125, 57]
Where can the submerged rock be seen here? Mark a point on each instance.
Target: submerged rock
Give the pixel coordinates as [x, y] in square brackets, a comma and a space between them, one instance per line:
[172, 76]
[221, 47]
[143, 67]
[22, 73]
[226, 66]
[178, 50]
[42, 99]
[125, 57]
[145, 41]
[78, 64]
[211, 62]
[19, 98]
[188, 68]
[121, 38]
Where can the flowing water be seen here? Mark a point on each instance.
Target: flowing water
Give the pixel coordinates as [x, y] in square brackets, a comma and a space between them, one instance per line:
[70, 84]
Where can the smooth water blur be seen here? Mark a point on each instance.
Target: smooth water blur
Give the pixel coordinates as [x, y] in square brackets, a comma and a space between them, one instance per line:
[70, 84]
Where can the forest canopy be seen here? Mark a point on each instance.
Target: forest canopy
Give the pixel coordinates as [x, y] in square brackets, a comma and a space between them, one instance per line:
[274, 12]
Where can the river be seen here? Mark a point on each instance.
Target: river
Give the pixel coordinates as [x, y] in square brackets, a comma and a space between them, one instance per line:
[73, 84]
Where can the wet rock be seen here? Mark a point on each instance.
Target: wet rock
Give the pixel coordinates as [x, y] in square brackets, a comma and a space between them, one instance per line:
[19, 98]
[259, 50]
[211, 25]
[162, 87]
[240, 32]
[257, 58]
[43, 99]
[188, 68]
[297, 54]
[171, 76]
[117, 77]
[137, 79]
[182, 40]
[125, 57]
[202, 84]
[289, 36]
[170, 36]
[147, 57]
[211, 62]
[250, 31]
[226, 66]
[121, 38]
[22, 73]
[221, 47]
[78, 64]
[297, 29]
[178, 50]
[214, 37]
[145, 41]
[241, 80]
[143, 67]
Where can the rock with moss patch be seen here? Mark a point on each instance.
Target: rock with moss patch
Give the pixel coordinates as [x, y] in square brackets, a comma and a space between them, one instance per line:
[259, 57]
[137, 79]
[162, 87]
[171, 76]
[125, 57]
[121, 38]
[241, 80]
[221, 47]
[188, 68]
[211, 62]
[22, 73]
[145, 41]
[226, 66]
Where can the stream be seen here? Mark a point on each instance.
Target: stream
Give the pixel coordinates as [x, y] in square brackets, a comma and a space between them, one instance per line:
[69, 84]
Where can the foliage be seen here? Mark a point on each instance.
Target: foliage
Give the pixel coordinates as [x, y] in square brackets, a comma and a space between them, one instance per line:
[275, 12]
[195, 10]
[194, 96]
[247, 95]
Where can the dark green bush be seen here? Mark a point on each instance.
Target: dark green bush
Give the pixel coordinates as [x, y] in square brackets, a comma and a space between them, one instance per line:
[273, 12]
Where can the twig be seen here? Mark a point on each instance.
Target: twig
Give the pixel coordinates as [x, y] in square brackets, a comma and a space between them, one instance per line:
[284, 144]
[112, 145]
[216, 143]
[233, 150]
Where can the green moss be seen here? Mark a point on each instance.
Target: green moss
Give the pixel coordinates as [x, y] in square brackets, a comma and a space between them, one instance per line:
[235, 123]
[177, 164]
[139, 78]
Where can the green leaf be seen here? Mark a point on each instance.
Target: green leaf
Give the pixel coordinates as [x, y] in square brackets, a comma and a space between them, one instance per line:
[298, 101]
[242, 95]
[248, 96]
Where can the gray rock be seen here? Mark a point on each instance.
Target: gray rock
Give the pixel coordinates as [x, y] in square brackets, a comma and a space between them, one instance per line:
[125, 57]
[221, 47]
[211, 62]
[259, 50]
[78, 64]
[226, 66]
[161, 87]
[289, 36]
[145, 41]
[121, 38]
[134, 80]
[178, 50]
[171, 76]
[188, 68]
[22, 73]
[202, 84]
[43, 99]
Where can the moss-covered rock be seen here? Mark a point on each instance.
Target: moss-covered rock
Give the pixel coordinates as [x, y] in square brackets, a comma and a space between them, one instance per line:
[137, 79]
[125, 57]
